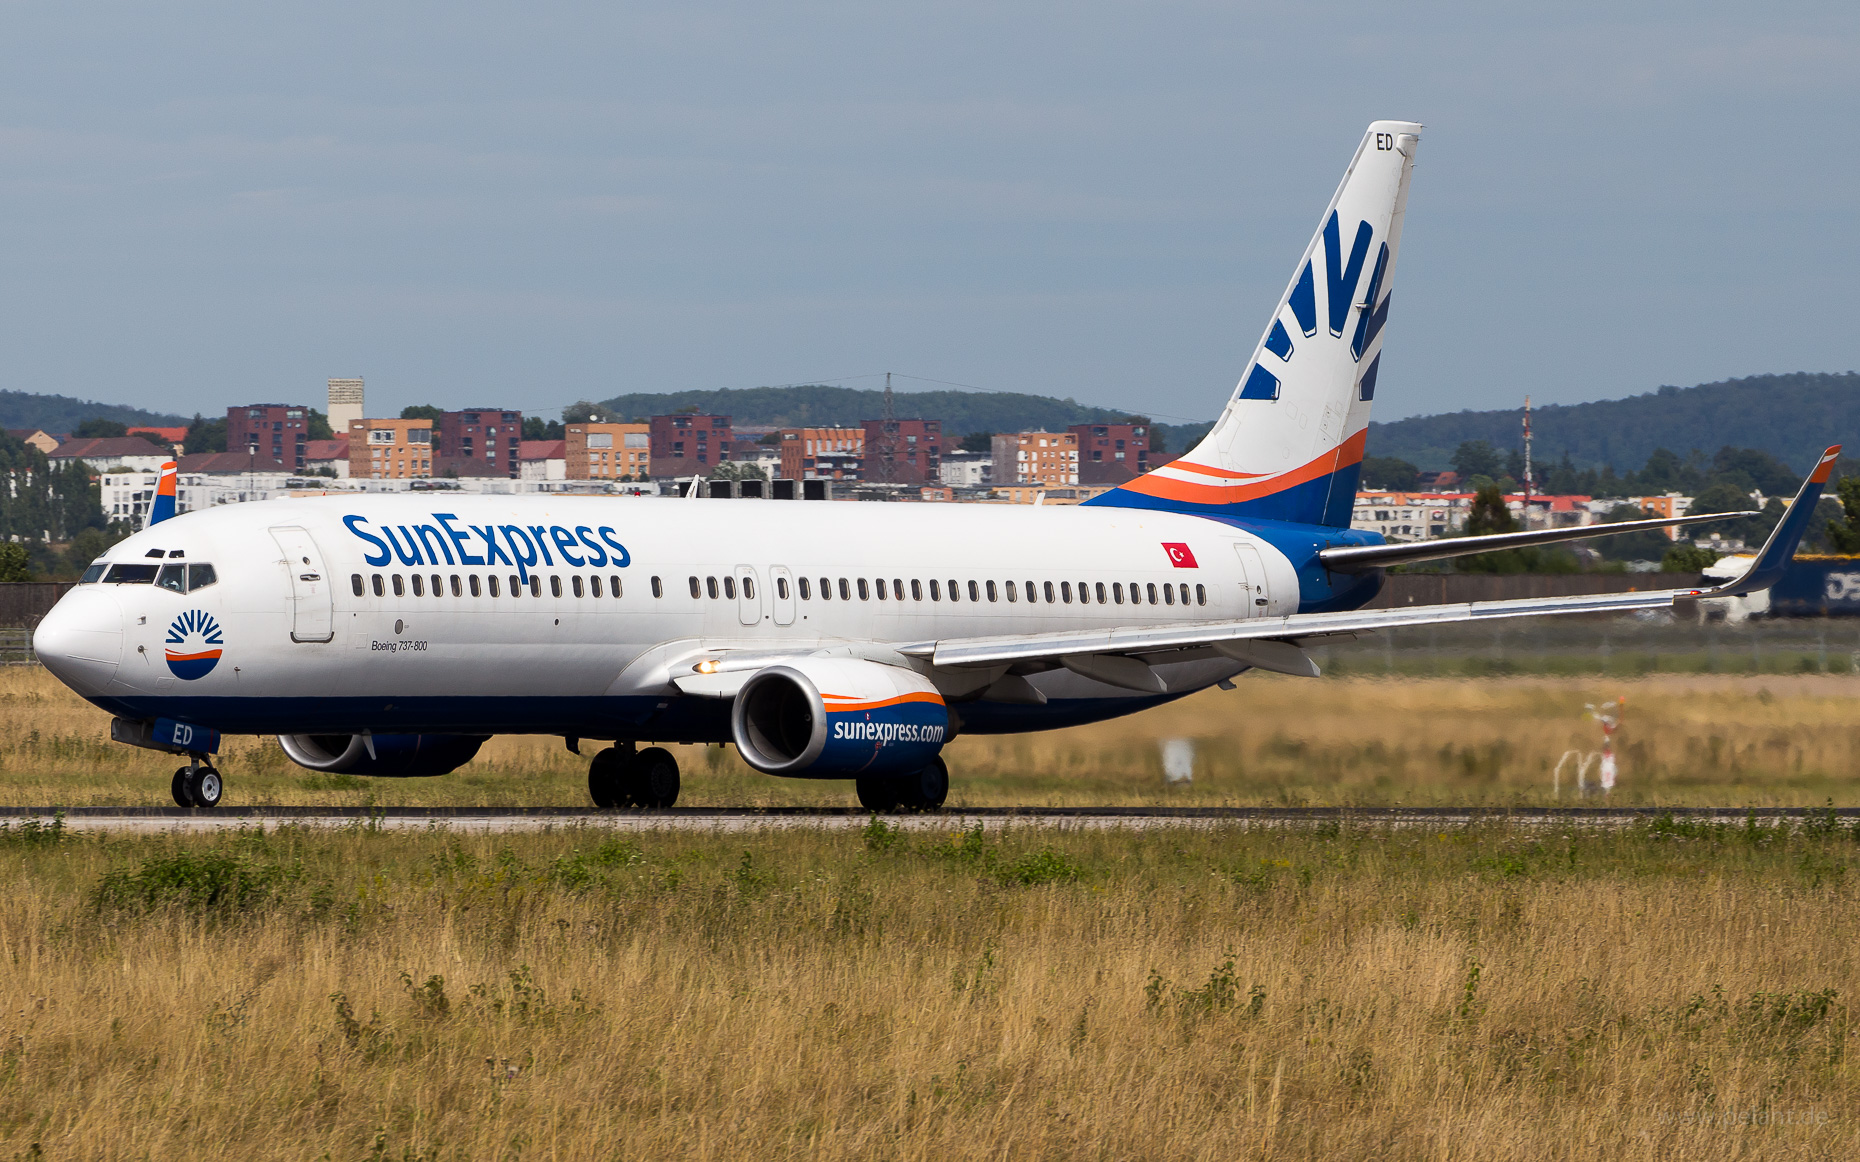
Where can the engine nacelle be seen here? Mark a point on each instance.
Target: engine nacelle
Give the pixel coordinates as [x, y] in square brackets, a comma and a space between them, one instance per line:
[837, 718]
[392, 756]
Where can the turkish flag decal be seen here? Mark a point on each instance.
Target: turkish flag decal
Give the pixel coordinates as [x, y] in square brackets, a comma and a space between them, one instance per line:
[1179, 556]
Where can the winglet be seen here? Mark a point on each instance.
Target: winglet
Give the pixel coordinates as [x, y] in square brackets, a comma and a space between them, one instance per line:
[1773, 561]
[163, 506]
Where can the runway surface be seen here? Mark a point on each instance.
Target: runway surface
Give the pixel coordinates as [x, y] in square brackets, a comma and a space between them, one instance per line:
[762, 818]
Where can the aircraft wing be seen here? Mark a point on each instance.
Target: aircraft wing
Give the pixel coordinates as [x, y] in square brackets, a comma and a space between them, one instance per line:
[1118, 655]
[1361, 558]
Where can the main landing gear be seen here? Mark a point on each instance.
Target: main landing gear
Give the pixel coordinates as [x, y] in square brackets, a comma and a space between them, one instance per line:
[197, 785]
[923, 791]
[622, 777]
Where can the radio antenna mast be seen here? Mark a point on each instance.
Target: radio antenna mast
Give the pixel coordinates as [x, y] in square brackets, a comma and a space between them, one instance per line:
[887, 438]
[1527, 455]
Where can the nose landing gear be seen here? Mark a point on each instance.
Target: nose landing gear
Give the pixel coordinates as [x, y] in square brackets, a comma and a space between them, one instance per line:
[197, 785]
[620, 776]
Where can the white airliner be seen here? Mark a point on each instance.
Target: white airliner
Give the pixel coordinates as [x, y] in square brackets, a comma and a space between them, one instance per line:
[392, 634]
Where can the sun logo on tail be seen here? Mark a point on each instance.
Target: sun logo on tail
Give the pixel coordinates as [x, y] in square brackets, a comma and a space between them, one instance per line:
[193, 645]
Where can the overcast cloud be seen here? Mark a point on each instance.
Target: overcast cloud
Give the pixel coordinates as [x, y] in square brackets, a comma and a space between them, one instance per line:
[204, 205]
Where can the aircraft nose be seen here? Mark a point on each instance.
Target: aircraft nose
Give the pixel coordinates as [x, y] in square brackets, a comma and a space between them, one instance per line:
[81, 639]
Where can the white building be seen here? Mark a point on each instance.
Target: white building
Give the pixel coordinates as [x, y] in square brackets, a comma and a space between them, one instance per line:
[967, 469]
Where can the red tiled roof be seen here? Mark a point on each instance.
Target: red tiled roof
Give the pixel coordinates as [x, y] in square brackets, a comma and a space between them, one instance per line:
[326, 450]
[227, 462]
[106, 448]
[171, 435]
[543, 450]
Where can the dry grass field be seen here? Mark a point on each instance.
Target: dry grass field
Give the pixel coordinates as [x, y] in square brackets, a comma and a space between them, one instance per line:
[1688, 739]
[1667, 992]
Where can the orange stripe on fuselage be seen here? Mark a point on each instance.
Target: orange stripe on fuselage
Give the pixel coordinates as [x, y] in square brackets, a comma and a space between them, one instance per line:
[1348, 453]
[846, 703]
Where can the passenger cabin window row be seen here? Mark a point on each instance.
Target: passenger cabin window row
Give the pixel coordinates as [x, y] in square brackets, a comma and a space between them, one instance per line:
[896, 588]
[494, 585]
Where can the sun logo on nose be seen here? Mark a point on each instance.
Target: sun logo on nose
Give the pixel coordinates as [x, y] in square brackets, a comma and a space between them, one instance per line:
[193, 645]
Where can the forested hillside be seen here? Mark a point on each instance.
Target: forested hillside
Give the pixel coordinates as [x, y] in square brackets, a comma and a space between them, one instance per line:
[819, 405]
[1792, 417]
[61, 413]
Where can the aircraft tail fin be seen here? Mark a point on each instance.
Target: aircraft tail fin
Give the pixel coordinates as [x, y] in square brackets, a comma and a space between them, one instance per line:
[163, 505]
[1289, 445]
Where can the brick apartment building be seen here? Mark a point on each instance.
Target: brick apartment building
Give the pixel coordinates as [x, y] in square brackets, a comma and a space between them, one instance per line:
[608, 451]
[277, 430]
[1049, 458]
[911, 452]
[822, 453]
[390, 449]
[686, 445]
[1112, 453]
[478, 442]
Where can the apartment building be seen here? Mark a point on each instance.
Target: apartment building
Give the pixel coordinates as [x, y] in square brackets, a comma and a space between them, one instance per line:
[390, 449]
[1048, 458]
[903, 451]
[608, 451]
[822, 453]
[479, 442]
[277, 430]
[1112, 453]
[688, 445]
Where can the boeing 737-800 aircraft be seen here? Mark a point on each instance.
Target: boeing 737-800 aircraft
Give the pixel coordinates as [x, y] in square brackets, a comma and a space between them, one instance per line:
[391, 635]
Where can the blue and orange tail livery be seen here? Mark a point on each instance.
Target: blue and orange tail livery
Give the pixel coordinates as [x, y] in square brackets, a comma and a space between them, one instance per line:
[1289, 445]
[163, 506]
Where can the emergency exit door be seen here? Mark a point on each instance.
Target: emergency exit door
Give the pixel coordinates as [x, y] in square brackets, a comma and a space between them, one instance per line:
[311, 616]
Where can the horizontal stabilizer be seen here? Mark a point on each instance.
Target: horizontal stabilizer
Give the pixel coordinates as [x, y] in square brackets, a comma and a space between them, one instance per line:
[1362, 558]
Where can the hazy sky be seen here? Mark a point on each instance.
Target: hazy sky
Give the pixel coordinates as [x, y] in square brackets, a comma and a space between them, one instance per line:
[203, 205]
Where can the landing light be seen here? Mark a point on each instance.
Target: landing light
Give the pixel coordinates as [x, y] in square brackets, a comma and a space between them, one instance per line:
[708, 666]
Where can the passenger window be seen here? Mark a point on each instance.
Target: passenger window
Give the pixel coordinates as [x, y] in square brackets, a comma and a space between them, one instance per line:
[172, 577]
[439, 585]
[380, 589]
[936, 591]
[710, 584]
[864, 593]
[1065, 591]
[695, 592]
[781, 588]
[1201, 595]
[806, 594]
[575, 584]
[1010, 591]
[400, 587]
[897, 588]
[594, 585]
[132, 574]
[991, 592]
[1152, 589]
[1049, 593]
[355, 583]
[1117, 592]
[917, 589]
[880, 584]
[729, 588]
[845, 590]
[455, 586]
[613, 586]
[749, 588]
[975, 594]
[96, 571]
[1168, 595]
[419, 589]
[493, 584]
[555, 586]
[1100, 593]
[475, 590]
[657, 589]
[1184, 593]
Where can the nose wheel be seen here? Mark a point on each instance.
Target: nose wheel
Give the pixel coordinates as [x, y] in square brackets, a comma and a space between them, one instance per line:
[197, 785]
[622, 777]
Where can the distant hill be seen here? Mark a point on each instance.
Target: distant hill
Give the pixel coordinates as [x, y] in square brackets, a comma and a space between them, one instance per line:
[818, 405]
[61, 413]
[1792, 417]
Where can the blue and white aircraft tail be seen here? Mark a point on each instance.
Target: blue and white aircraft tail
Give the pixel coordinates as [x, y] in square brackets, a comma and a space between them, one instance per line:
[387, 634]
[1289, 445]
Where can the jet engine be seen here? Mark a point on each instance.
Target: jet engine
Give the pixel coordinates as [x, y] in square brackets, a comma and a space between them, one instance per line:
[837, 718]
[402, 756]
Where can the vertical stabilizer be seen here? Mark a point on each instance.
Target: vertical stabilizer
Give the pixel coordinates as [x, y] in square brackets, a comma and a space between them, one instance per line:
[1289, 445]
[163, 505]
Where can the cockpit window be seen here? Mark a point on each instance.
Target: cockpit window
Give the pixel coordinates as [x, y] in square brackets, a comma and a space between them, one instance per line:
[132, 574]
[173, 577]
[199, 577]
[93, 574]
